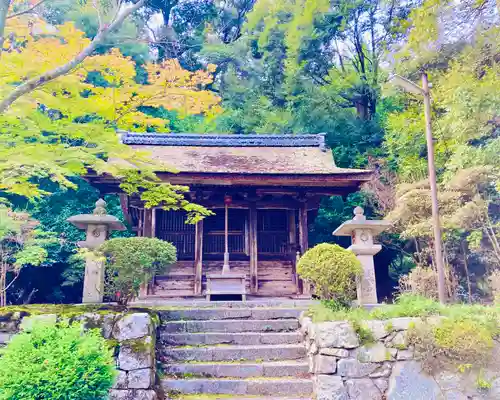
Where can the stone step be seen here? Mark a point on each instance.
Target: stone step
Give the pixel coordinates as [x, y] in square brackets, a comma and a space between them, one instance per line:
[231, 326]
[246, 338]
[224, 397]
[230, 313]
[247, 387]
[230, 353]
[298, 369]
[257, 303]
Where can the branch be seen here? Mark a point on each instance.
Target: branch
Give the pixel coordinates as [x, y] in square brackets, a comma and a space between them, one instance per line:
[10, 284]
[99, 15]
[40, 80]
[27, 11]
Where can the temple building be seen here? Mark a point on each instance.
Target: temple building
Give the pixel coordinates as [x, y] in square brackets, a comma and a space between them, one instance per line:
[263, 190]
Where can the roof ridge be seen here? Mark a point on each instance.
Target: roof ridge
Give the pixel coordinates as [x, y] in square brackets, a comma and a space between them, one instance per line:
[224, 140]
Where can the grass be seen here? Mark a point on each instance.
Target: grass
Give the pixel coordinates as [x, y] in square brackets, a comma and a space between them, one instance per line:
[405, 306]
[465, 335]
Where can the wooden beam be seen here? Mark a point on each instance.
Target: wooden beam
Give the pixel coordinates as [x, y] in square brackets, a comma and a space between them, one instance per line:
[124, 205]
[323, 181]
[292, 240]
[303, 231]
[198, 257]
[303, 241]
[252, 231]
[140, 222]
[292, 230]
[147, 227]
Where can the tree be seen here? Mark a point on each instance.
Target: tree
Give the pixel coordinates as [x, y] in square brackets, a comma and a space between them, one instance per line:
[295, 69]
[457, 45]
[20, 245]
[67, 126]
[187, 23]
[119, 13]
[132, 262]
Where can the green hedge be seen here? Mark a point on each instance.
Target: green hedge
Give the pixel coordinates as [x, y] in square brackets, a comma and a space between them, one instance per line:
[332, 270]
[56, 362]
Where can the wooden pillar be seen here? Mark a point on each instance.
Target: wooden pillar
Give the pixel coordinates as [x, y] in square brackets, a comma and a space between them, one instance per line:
[292, 250]
[140, 224]
[198, 257]
[225, 267]
[303, 232]
[147, 227]
[147, 231]
[252, 233]
[303, 240]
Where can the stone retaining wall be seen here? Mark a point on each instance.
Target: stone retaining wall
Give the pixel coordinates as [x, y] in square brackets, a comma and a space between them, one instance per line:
[387, 368]
[134, 337]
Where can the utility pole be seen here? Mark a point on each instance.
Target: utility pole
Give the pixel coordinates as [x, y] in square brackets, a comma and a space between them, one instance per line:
[438, 248]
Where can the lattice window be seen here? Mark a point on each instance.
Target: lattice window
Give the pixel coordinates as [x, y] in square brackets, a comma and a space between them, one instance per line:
[272, 231]
[171, 226]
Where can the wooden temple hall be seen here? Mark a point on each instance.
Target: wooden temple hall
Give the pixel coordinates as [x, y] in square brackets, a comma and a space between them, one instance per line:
[264, 190]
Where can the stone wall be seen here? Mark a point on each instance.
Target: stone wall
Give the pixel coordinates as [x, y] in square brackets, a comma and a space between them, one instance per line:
[133, 334]
[387, 368]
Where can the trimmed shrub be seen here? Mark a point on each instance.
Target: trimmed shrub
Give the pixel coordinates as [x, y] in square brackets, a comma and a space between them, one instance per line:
[332, 270]
[60, 362]
[130, 262]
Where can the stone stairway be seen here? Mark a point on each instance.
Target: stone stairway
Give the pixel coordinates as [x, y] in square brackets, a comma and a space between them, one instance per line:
[254, 351]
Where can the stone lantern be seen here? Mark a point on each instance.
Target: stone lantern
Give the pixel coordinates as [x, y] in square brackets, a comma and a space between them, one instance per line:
[362, 232]
[98, 226]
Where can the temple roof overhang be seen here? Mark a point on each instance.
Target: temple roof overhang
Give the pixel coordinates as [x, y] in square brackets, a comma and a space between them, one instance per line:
[240, 154]
[290, 161]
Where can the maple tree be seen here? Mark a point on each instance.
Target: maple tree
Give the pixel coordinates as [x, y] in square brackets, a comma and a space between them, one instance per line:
[67, 126]
[21, 243]
[111, 15]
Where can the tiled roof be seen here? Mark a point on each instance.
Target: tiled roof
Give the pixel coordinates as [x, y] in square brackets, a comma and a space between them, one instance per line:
[219, 140]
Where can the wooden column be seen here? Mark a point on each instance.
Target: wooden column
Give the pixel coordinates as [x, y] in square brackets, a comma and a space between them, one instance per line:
[303, 232]
[292, 250]
[147, 231]
[198, 257]
[303, 240]
[225, 267]
[252, 233]
[148, 223]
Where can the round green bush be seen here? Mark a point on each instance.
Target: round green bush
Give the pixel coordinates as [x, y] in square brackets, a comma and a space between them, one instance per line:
[132, 262]
[332, 270]
[56, 362]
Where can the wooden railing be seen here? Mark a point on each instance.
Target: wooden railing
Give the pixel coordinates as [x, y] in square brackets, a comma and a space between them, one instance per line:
[183, 242]
[272, 242]
[213, 242]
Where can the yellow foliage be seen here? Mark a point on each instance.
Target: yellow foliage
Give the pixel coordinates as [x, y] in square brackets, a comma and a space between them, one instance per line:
[67, 127]
[169, 85]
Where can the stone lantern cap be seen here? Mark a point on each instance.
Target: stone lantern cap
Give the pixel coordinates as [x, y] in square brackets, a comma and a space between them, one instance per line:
[98, 217]
[360, 222]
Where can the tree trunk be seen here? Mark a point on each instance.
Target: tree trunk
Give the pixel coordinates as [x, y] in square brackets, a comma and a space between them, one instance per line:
[4, 9]
[3, 278]
[466, 267]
